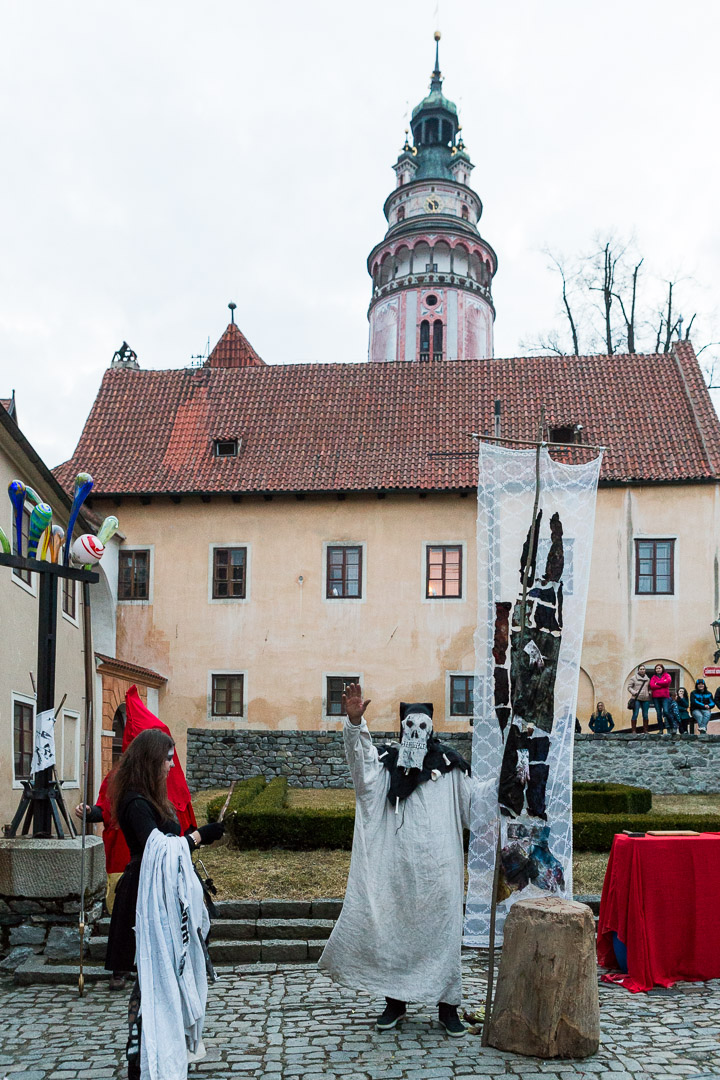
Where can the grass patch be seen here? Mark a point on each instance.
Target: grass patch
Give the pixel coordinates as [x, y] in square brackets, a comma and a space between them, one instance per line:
[589, 872]
[686, 804]
[262, 875]
[321, 798]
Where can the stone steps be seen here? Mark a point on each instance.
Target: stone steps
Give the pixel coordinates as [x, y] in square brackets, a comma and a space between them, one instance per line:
[252, 930]
[270, 933]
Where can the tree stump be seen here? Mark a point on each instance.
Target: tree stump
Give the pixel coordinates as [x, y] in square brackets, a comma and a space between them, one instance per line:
[546, 1000]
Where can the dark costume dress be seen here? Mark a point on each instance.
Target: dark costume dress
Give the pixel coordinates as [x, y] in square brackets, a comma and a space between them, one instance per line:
[137, 818]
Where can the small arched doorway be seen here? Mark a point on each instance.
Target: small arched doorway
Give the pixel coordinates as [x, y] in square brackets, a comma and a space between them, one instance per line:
[118, 730]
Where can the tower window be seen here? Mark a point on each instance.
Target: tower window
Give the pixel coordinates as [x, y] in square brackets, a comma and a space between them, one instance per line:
[431, 301]
[401, 214]
[437, 340]
[431, 268]
[465, 213]
[425, 340]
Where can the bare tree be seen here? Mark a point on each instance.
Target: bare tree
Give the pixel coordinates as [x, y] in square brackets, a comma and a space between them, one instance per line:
[612, 279]
[603, 281]
[629, 312]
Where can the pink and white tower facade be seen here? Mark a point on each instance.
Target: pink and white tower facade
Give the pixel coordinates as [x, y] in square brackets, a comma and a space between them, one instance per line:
[432, 273]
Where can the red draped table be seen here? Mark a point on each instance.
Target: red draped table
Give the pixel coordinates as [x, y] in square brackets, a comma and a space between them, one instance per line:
[660, 897]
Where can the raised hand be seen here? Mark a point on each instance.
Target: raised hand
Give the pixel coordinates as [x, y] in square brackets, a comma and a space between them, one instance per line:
[353, 704]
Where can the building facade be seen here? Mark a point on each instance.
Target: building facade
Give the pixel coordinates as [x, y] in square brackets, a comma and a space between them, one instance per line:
[276, 545]
[432, 273]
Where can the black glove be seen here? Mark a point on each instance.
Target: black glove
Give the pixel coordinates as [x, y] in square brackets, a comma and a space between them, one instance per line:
[211, 832]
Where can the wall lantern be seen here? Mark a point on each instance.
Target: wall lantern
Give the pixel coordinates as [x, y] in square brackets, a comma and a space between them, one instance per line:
[716, 631]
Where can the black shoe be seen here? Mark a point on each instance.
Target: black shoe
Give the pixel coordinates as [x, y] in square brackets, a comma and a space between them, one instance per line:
[394, 1012]
[449, 1019]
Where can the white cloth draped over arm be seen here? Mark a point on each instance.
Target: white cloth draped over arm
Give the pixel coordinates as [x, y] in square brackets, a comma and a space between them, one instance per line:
[170, 958]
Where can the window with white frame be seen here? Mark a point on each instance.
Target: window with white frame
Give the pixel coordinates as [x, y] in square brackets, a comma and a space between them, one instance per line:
[335, 686]
[461, 694]
[23, 736]
[228, 695]
[134, 574]
[443, 571]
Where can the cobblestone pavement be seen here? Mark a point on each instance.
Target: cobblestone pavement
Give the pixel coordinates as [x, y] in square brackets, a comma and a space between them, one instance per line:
[274, 1022]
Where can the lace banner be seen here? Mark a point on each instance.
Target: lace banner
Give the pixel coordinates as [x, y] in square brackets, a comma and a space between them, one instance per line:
[527, 665]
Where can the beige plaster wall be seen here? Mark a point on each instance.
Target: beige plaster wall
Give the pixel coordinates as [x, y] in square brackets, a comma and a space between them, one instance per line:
[286, 636]
[18, 643]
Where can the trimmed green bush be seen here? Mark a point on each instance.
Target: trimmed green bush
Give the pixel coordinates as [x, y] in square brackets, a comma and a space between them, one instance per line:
[245, 791]
[300, 829]
[594, 832]
[598, 798]
[272, 797]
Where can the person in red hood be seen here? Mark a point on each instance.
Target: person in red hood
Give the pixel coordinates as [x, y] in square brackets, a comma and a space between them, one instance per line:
[117, 855]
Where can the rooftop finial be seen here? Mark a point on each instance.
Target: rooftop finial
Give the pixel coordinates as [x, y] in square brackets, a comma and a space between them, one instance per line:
[232, 307]
[436, 83]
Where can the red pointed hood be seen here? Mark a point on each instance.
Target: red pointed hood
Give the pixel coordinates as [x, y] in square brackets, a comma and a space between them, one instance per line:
[139, 718]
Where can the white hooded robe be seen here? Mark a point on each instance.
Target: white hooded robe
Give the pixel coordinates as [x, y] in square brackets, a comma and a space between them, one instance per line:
[399, 934]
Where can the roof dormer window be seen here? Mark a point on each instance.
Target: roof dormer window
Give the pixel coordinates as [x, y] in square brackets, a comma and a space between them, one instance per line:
[566, 433]
[226, 447]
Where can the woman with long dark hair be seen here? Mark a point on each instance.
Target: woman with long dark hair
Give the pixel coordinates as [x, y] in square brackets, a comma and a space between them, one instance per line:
[140, 805]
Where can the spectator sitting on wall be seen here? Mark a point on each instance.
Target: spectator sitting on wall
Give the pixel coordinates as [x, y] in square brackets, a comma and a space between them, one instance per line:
[660, 693]
[601, 721]
[680, 712]
[701, 703]
[578, 729]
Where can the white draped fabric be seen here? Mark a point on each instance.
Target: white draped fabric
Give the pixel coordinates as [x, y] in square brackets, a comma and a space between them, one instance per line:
[506, 492]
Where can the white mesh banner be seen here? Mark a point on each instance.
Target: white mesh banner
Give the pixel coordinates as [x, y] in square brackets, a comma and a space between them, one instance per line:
[527, 666]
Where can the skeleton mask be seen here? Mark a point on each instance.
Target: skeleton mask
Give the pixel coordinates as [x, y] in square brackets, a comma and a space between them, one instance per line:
[416, 728]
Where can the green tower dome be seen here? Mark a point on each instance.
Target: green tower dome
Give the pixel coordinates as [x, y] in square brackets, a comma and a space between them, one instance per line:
[435, 127]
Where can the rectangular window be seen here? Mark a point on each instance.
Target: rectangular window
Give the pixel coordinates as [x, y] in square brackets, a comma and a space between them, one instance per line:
[461, 695]
[69, 596]
[23, 738]
[24, 575]
[344, 572]
[443, 576]
[229, 573]
[227, 695]
[335, 689]
[134, 575]
[654, 567]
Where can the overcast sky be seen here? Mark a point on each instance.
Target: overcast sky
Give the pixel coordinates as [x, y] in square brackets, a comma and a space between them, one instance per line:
[162, 158]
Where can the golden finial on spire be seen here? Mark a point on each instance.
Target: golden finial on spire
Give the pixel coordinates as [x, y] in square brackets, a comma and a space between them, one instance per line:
[437, 35]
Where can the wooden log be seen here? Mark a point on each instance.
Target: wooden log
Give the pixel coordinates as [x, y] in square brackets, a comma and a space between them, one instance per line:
[546, 1001]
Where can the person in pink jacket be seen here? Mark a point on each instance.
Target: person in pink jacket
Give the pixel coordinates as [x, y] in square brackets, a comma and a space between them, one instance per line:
[660, 694]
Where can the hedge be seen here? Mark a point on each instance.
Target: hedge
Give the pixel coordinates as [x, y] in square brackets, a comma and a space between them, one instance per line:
[306, 829]
[245, 791]
[299, 829]
[594, 832]
[598, 798]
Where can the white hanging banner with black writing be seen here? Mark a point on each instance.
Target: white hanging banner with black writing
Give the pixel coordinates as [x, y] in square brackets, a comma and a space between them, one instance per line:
[527, 665]
[44, 752]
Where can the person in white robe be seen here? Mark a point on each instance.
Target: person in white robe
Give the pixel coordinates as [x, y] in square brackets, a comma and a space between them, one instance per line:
[399, 934]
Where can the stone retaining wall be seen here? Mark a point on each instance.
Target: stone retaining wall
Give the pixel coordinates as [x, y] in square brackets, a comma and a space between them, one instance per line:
[684, 765]
[307, 758]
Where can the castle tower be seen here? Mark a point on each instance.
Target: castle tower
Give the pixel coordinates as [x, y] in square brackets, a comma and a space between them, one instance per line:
[432, 273]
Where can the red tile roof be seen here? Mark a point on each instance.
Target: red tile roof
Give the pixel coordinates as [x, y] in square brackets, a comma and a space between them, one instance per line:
[345, 427]
[134, 671]
[233, 350]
